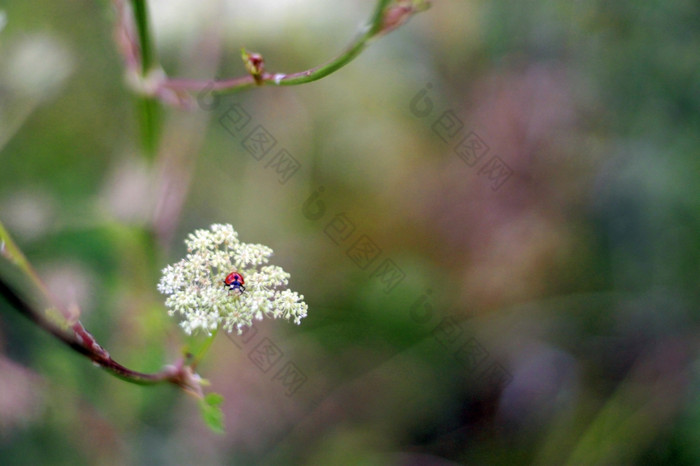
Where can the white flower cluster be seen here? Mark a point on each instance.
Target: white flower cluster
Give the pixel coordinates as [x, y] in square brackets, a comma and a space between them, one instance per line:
[196, 290]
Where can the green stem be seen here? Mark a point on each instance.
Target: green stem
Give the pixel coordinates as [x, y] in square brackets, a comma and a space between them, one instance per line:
[10, 251]
[301, 77]
[322, 71]
[150, 124]
[377, 17]
[350, 53]
[202, 350]
[148, 107]
[142, 25]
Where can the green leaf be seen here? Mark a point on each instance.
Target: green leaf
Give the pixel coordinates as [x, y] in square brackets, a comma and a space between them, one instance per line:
[211, 412]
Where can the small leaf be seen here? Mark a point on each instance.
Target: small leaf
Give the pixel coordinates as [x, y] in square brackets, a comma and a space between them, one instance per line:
[211, 412]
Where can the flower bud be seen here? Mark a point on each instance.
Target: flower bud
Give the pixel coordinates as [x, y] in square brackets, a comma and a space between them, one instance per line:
[254, 64]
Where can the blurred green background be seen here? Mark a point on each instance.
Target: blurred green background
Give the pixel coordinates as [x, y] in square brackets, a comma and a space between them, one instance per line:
[544, 317]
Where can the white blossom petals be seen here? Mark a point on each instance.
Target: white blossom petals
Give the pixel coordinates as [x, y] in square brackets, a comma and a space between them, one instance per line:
[195, 287]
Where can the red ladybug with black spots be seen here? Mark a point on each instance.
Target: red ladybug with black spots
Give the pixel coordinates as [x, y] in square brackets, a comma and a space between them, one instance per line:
[234, 281]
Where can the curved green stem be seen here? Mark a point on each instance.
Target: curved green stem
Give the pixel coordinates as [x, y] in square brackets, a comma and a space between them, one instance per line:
[377, 17]
[350, 53]
[373, 29]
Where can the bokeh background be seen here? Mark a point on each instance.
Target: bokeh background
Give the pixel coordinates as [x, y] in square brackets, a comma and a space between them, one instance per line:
[545, 317]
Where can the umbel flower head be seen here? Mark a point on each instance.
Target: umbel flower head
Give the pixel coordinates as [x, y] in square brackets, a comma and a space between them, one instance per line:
[196, 291]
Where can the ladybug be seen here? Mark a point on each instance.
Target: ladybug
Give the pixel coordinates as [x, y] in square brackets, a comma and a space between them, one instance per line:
[235, 281]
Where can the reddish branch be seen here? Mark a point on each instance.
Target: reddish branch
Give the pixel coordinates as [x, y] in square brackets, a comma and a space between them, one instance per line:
[81, 341]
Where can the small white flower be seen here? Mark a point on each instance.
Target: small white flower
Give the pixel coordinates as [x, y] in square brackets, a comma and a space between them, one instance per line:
[196, 291]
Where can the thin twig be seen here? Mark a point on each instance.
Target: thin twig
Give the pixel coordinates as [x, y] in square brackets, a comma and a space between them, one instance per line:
[376, 27]
[72, 333]
[82, 342]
